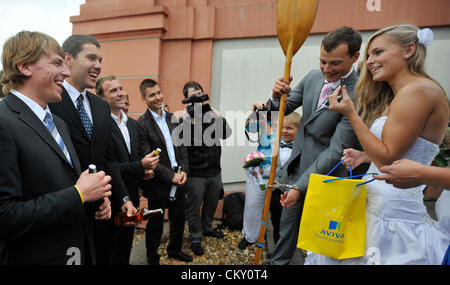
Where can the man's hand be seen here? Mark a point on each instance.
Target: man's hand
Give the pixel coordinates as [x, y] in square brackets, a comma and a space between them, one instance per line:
[148, 174]
[289, 198]
[94, 186]
[150, 161]
[281, 87]
[182, 114]
[105, 210]
[179, 179]
[215, 112]
[183, 178]
[259, 106]
[129, 209]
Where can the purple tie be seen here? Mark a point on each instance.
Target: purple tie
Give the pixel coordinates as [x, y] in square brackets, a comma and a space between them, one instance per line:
[323, 94]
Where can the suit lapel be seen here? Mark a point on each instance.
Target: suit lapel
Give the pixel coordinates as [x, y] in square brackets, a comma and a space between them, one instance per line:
[156, 128]
[317, 89]
[120, 135]
[27, 116]
[318, 84]
[64, 133]
[96, 116]
[134, 140]
[169, 122]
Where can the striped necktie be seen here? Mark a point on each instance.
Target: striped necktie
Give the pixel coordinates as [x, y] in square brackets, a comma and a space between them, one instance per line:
[84, 116]
[48, 121]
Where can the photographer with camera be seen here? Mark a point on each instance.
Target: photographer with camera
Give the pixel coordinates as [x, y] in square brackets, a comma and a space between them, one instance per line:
[203, 128]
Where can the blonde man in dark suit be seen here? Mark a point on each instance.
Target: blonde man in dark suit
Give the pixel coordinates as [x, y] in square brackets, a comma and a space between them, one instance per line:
[42, 195]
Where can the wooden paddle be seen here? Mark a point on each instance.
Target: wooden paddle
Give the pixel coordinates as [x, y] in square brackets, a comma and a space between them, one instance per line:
[294, 22]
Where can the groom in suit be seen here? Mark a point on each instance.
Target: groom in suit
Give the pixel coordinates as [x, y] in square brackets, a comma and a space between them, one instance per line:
[89, 120]
[42, 195]
[156, 127]
[322, 135]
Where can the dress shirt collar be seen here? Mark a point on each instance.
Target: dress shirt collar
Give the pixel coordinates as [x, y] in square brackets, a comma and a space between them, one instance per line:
[73, 92]
[35, 107]
[117, 120]
[157, 117]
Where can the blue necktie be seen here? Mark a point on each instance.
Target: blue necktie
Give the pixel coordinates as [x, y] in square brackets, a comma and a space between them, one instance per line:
[84, 116]
[288, 145]
[48, 121]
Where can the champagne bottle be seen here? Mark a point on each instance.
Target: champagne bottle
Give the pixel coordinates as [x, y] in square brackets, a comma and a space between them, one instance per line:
[142, 214]
[173, 190]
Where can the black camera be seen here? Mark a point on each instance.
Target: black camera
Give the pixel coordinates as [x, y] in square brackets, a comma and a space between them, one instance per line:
[196, 100]
[261, 114]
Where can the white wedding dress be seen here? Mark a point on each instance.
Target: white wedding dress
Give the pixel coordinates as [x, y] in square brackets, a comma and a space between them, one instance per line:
[398, 230]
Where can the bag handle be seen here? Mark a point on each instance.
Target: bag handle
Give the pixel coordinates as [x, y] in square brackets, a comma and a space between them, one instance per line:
[351, 175]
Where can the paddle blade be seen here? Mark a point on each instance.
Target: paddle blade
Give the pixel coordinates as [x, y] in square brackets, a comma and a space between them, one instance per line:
[294, 22]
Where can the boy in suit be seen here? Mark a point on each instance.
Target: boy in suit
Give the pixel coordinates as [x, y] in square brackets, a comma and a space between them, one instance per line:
[288, 134]
[156, 127]
[89, 120]
[42, 216]
[126, 140]
[254, 197]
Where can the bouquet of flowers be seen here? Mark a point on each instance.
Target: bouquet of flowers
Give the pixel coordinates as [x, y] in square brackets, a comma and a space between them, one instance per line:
[253, 159]
[251, 164]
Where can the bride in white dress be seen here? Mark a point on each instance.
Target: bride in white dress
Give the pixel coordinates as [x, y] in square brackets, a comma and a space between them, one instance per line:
[408, 113]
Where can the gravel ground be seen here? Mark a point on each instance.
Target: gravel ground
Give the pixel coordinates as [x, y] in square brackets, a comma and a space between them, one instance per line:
[217, 251]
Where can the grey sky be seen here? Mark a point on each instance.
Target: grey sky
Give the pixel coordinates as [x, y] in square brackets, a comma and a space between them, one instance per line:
[51, 17]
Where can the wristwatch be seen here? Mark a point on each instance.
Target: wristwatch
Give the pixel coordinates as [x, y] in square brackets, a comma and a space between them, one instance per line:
[125, 199]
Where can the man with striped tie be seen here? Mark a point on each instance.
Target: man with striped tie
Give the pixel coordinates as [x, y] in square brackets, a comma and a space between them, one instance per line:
[42, 195]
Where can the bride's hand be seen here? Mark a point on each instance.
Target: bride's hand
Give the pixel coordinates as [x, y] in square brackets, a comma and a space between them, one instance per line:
[352, 157]
[344, 106]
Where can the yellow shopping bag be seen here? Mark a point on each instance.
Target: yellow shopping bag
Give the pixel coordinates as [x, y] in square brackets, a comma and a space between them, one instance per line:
[333, 221]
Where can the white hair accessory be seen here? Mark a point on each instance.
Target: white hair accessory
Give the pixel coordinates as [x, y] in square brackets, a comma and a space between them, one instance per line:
[425, 36]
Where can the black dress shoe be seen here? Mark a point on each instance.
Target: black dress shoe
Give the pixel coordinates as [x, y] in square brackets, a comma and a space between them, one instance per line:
[214, 233]
[244, 243]
[180, 256]
[197, 248]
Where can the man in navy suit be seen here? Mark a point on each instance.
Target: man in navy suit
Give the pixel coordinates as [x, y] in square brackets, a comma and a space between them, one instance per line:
[125, 133]
[89, 120]
[42, 195]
